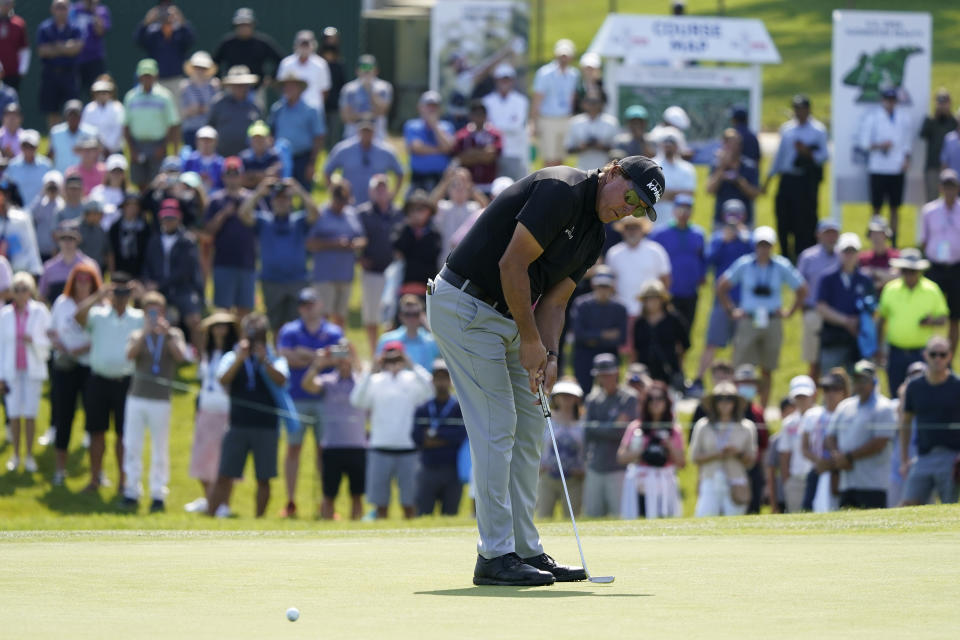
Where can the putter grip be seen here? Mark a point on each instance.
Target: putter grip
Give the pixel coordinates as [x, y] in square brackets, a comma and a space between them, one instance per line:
[544, 403]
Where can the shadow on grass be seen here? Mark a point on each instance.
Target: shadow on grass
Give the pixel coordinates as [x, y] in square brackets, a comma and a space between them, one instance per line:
[65, 502]
[11, 481]
[526, 592]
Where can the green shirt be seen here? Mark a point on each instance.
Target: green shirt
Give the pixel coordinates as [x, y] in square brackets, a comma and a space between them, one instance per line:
[109, 334]
[903, 308]
[150, 115]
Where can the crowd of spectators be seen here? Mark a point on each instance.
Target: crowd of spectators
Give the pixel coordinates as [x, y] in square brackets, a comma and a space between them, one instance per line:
[201, 177]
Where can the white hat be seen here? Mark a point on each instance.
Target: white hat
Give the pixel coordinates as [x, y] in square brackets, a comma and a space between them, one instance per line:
[802, 386]
[53, 176]
[764, 234]
[504, 70]
[116, 161]
[564, 47]
[849, 240]
[568, 387]
[590, 59]
[31, 137]
[677, 117]
[207, 132]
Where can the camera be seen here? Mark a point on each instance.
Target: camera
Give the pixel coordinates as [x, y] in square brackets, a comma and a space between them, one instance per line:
[278, 188]
[762, 291]
[339, 351]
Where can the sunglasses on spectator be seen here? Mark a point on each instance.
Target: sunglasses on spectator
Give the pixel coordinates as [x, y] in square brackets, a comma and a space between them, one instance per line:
[833, 389]
[657, 398]
[726, 398]
[938, 354]
[366, 67]
[411, 314]
[392, 360]
[20, 290]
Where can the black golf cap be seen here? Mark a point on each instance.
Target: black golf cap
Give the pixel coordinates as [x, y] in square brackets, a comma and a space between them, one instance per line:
[648, 178]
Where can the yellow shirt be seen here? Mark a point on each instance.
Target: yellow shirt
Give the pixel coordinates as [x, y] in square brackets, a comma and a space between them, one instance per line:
[903, 309]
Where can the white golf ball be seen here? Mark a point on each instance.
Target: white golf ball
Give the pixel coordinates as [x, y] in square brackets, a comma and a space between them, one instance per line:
[292, 614]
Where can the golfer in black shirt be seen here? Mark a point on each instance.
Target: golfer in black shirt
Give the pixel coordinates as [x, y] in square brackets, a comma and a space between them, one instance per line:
[496, 310]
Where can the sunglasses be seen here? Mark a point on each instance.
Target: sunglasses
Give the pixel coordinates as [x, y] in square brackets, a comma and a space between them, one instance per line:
[366, 67]
[938, 354]
[632, 198]
[392, 360]
[20, 290]
[832, 389]
[726, 398]
[657, 398]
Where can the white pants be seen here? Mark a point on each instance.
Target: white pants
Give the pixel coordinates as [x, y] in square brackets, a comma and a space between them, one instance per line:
[143, 414]
[24, 397]
[660, 491]
[824, 500]
[715, 500]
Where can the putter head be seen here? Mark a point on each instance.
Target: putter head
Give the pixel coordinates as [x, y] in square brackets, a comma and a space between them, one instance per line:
[601, 579]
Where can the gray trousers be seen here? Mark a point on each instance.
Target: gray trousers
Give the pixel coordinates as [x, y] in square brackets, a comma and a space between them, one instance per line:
[505, 427]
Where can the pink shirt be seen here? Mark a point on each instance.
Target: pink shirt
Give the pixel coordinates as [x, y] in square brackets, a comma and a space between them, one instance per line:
[21, 316]
[91, 177]
[940, 232]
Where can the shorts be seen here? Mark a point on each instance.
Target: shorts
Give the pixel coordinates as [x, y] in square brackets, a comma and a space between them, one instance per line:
[281, 301]
[23, 397]
[208, 432]
[343, 462]
[373, 285]
[142, 172]
[57, 85]
[863, 499]
[719, 328]
[810, 346]
[241, 441]
[382, 467]
[311, 417]
[106, 396]
[886, 186]
[760, 347]
[187, 304]
[552, 133]
[233, 287]
[932, 470]
[335, 297]
[947, 277]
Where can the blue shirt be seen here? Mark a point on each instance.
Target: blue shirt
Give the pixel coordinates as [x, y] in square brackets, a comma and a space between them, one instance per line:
[558, 87]
[750, 146]
[93, 45]
[728, 190]
[950, 152]
[8, 95]
[812, 133]
[745, 271]
[359, 164]
[422, 349]
[210, 169]
[814, 263]
[590, 318]
[283, 246]
[28, 177]
[63, 142]
[446, 419]
[49, 33]
[169, 54]
[417, 129]
[721, 255]
[841, 292]
[687, 260]
[294, 334]
[335, 265]
[235, 244]
[253, 162]
[299, 124]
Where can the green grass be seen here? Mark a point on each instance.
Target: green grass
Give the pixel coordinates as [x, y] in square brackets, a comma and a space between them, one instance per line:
[853, 575]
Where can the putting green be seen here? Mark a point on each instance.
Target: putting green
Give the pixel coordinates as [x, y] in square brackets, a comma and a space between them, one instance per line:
[852, 575]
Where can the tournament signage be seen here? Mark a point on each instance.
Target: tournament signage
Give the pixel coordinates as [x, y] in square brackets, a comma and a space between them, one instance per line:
[874, 51]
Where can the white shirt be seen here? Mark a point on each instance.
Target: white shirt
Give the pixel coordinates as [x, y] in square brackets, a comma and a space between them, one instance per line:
[71, 334]
[557, 87]
[111, 198]
[509, 115]
[450, 217]
[213, 398]
[633, 266]
[791, 441]
[879, 127]
[603, 129]
[315, 71]
[661, 131]
[21, 239]
[107, 121]
[680, 176]
[392, 400]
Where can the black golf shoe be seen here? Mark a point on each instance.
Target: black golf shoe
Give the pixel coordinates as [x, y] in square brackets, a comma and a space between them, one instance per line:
[560, 572]
[509, 570]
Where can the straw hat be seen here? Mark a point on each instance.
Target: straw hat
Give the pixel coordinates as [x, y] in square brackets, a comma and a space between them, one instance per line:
[219, 316]
[289, 77]
[725, 389]
[201, 60]
[653, 289]
[239, 74]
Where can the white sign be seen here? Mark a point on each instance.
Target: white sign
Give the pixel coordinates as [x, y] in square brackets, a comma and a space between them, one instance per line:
[873, 51]
[645, 39]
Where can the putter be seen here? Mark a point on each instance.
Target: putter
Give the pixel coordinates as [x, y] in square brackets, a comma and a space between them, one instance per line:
[545, 407]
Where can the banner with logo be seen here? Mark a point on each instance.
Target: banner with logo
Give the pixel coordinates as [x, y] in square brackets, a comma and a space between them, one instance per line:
[468, 39]
[873, 51]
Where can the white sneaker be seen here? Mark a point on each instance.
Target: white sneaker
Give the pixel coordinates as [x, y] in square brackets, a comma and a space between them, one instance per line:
[223, 511]
[30, 465]
[197, 506]
[59, 478]
[48, 438]
[13, 463]
[86, 440]
[104, 480]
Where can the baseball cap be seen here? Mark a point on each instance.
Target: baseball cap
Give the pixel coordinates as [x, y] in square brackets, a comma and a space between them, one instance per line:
[258, 128]
[915, 369]
[192, 179]
[367, 60]
[849, 240]
[504, 70]
[828, 224]
[233, 163]
[590, 59]
[243, 15]
[943, 95]
[393, 345]
[637, 372]
[647, 177]
[69, 228]
[366, 124]
[439, 365]
[765, 234]
[738, 112]
[802, 386]
[92, 205]
[430, 97]
[53, 176]
[87, 142]
[867, 369]
[307, 295]
[949, 176]
[832, 380]
[878, 223]
[564, 47]
[72, 106]
[604, 363]
[603, 278]
[30, 137]
[890, 93]
[117, 161]
[683, 200]
[73, 176]
[636, 112]
[207, 132]
[147, 67]
[745, 372]
[676, 117]
[734, 208]
[568, 387]
[800, 100]
[169, 208]
[171, 164]
[102, 86]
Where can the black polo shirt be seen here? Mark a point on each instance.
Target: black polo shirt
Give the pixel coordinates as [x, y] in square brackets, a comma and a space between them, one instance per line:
[558, 205]
[937, 410]
[252, 408]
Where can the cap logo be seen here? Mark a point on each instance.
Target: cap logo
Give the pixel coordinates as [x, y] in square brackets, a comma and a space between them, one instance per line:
[655, 189]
